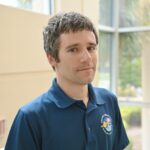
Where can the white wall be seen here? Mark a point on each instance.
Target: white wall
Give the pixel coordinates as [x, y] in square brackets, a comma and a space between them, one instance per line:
[24, 70]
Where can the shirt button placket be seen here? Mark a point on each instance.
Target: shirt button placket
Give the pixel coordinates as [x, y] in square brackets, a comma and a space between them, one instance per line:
[88, 131]
[88, 128]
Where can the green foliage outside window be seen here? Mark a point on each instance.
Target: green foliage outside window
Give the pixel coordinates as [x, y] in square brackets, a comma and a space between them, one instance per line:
[131, 116]
[130, 61]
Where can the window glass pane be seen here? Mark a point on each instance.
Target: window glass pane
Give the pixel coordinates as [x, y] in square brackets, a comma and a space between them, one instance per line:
[132, 119]
[129, 65]
[134, 13]
[131, 46]
[106, 12]
[41, 6]
[104, 57]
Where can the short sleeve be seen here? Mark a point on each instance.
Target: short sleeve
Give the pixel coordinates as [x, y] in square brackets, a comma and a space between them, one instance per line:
[22, 135]
[121, 138]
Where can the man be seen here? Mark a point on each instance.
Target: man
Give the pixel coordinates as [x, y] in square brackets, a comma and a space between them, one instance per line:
[72, 115]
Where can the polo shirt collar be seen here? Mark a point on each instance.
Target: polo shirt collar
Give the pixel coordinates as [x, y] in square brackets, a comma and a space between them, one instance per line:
[95, 95]
[59, 97]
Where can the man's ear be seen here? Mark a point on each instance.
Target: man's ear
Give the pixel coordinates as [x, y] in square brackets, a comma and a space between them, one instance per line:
[51, 60]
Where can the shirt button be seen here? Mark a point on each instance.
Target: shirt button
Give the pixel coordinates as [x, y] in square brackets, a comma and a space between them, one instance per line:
[89, 129]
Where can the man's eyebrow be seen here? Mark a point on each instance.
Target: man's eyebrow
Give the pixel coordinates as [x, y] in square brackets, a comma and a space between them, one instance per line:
[72, 45]
[76, 44]
[93, 44]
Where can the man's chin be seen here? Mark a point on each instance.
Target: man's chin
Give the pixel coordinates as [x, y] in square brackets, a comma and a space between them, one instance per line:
[87, 81]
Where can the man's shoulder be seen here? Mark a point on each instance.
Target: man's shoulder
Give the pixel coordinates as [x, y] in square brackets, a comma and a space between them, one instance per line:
[103, 92]
[105, 95]
[36, 105]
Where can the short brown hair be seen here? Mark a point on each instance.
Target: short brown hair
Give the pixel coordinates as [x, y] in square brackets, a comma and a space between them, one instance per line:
[64, 23]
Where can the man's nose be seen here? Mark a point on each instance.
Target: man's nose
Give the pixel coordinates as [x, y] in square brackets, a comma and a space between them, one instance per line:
[85, 56]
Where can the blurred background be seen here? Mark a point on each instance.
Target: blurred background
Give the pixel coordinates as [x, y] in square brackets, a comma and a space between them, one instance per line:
[123, 57]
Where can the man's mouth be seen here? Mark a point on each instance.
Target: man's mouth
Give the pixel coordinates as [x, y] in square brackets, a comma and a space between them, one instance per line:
[86, 68]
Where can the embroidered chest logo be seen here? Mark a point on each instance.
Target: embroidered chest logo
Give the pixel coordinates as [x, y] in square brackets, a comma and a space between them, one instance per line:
[106, 124]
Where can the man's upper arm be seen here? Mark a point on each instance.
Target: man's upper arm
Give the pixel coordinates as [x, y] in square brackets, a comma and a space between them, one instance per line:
[21, 136]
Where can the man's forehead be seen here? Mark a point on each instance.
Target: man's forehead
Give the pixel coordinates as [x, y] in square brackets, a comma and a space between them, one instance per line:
[78, 37]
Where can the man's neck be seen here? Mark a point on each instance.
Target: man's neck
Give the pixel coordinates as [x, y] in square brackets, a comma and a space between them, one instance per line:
[75, 91]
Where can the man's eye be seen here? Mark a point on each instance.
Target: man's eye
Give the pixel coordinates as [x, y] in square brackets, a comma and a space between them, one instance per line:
[91, 48]
[73, 50]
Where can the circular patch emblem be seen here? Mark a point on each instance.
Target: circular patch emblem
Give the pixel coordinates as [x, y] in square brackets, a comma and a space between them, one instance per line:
[106, 124]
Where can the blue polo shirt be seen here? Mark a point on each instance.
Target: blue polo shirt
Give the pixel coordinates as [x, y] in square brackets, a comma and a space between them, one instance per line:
[55, 121]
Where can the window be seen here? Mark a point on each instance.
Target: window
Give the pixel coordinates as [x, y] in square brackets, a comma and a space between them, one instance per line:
[124, 30]
[134, 13]
[40, 6]
[107, 9]
[130, 72]
[105, 57]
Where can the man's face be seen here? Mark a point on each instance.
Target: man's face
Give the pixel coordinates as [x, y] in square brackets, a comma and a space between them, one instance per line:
[77, 55]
